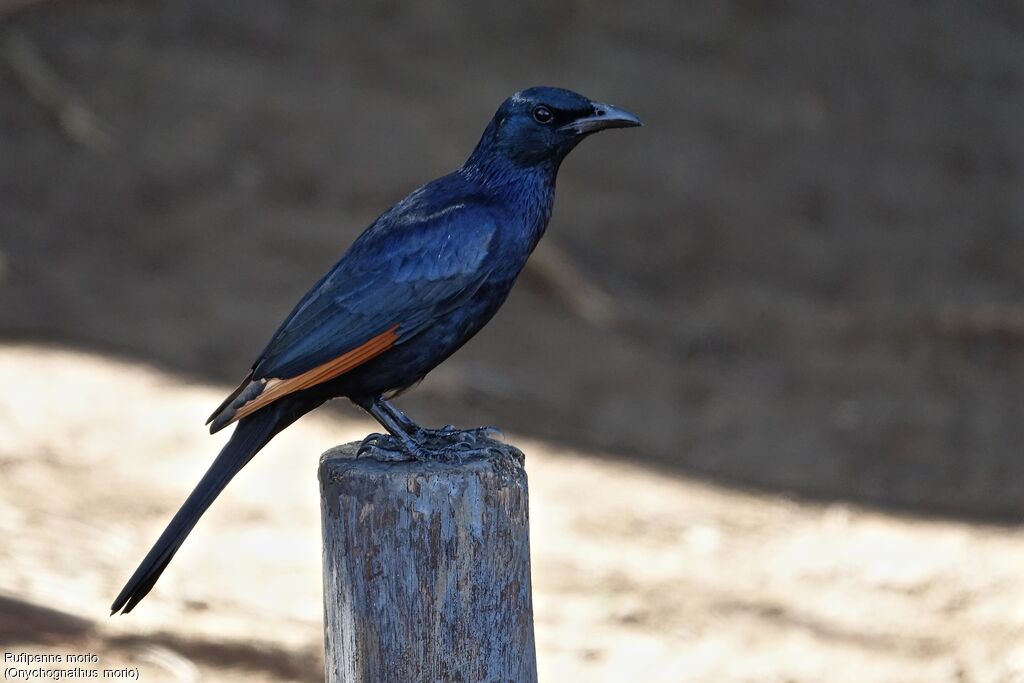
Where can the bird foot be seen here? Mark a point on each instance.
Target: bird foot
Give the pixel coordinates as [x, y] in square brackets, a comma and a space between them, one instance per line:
[382, 447]
[450, 433]
[446, 444]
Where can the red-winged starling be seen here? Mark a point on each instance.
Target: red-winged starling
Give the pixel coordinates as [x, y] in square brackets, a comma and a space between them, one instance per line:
[411, 290]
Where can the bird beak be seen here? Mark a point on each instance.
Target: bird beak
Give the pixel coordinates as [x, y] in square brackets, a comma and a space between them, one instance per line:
[604, 116]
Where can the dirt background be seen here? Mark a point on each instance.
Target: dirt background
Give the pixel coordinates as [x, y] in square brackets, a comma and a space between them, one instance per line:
[646, 577]
[812, 251]
[801, 280]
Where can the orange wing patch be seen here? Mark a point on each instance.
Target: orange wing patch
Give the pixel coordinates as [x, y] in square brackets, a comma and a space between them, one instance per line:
[276, 388]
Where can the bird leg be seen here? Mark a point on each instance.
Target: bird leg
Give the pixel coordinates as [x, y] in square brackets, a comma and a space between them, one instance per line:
[409, 440]
[447, 433]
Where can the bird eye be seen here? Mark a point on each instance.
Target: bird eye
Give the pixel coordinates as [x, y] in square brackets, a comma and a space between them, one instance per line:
[542, 114]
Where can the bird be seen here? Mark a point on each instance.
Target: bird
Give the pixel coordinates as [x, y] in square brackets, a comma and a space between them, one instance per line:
[414, 287]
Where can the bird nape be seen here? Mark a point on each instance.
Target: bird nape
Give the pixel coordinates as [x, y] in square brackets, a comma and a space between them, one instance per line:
[412, 289]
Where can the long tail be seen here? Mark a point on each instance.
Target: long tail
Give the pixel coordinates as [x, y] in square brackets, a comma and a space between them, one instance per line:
[249, 437]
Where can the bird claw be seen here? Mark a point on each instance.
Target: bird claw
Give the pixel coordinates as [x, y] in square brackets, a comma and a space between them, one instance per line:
[457, 452]
[451, 433]
[447, 444]
[451, 444]
[382, 447]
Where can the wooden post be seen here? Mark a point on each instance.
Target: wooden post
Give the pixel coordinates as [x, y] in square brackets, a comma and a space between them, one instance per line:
[427, 569]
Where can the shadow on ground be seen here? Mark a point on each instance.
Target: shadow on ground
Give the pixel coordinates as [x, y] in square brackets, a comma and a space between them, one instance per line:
[23, 623]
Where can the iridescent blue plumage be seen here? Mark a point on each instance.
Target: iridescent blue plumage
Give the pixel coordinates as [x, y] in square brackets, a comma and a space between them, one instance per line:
[409, 292]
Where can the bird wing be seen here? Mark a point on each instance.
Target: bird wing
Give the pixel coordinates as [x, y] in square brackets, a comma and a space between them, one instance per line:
[407, 270]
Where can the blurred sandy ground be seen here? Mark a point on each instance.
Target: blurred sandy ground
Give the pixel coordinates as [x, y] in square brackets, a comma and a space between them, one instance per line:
[637, 576]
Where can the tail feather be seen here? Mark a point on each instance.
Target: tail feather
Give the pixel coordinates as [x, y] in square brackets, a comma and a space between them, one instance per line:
[248, 438]
[231, 397]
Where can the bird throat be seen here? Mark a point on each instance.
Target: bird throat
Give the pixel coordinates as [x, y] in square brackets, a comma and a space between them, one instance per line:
[530, 191]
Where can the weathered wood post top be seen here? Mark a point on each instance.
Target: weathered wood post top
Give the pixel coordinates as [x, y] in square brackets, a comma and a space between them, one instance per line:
[427, 569]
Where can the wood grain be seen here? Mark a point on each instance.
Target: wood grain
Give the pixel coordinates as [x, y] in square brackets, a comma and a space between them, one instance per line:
[427, 569]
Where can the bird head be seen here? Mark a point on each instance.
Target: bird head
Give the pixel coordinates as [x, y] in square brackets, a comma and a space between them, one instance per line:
[541, 125]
